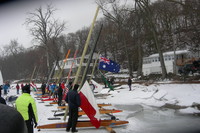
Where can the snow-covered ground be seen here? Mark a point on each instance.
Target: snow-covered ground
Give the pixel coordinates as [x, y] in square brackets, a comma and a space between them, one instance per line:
[141, 107]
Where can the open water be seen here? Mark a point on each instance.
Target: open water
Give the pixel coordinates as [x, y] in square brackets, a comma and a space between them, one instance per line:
[144, 119]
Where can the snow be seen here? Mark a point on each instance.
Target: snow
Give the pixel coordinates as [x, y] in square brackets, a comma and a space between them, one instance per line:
[189, 110]
[171, 53]
[141, 107]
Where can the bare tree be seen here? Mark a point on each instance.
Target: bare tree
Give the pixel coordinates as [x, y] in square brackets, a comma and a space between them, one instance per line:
[18, 62]
[13, 48]
[118, 15]
[144, 5]
[43, 27]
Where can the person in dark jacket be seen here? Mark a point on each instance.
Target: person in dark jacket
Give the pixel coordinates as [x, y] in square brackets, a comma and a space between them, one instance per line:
[129, 83]
[73, 100]
[112, 80]
[2, 100]
[43, 87]
[60, 94]
[69, 86]
[17, 87]
[1, 88]
[11, 120]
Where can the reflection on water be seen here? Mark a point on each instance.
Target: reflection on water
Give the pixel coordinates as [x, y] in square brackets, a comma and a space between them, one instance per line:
[144, 119]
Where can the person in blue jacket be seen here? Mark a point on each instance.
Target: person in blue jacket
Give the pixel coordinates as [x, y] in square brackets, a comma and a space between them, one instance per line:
[5, 88]
[53, 88]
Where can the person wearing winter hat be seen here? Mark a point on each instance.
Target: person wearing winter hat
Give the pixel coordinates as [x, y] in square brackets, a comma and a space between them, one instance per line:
[73, 100]
[11, 120]
[26, 106]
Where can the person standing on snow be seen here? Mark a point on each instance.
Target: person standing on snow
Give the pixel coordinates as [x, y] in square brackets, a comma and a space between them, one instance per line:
[43, 87]
[60, 93]
[69, 86]
[63, 85]
[17, 87]
[22, 85]
[73, 100]
[1, 88]
[5, 88]
[112, 80]
[26, 106]
[53, 88]
[129, 83]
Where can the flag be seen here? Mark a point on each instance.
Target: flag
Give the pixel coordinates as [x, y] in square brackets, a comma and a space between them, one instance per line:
[33, 86]
[89, 105]
[108, 65]
[98, 87]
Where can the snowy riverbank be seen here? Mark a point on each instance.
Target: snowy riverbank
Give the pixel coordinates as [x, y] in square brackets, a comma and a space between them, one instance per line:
[141, 107]
[157, 95]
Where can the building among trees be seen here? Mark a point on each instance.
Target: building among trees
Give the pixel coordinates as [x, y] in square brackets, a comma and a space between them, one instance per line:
[151, 64]
[69, 62]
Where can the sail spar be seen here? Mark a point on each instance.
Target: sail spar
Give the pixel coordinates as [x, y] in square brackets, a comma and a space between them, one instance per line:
[1, 78]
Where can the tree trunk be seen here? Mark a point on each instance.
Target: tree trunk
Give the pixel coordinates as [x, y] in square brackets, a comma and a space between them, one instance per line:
[127, 55]
[162, 63]
[139, 44]
[148, 12]
[140, 60]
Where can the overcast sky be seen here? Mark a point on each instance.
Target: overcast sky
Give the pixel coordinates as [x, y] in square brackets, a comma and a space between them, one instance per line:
[77, 14]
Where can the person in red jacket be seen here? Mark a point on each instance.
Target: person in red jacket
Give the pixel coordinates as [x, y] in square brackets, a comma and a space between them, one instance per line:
[63, 85]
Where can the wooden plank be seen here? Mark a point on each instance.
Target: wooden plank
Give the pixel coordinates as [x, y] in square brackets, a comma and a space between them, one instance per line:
[101, 111]
[99, 105]
[104, 123]
[53, 103]
[38, 92]
[110, 130]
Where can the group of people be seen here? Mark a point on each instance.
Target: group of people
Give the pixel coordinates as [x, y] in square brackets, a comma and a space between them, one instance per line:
[5, 87]
[72, 98]
[56, 91]
[109, 81]
[19, 86]
[21, 119]
[26, 116]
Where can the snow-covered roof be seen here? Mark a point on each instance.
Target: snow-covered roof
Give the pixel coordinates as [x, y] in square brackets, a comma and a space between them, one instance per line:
[170, 53]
